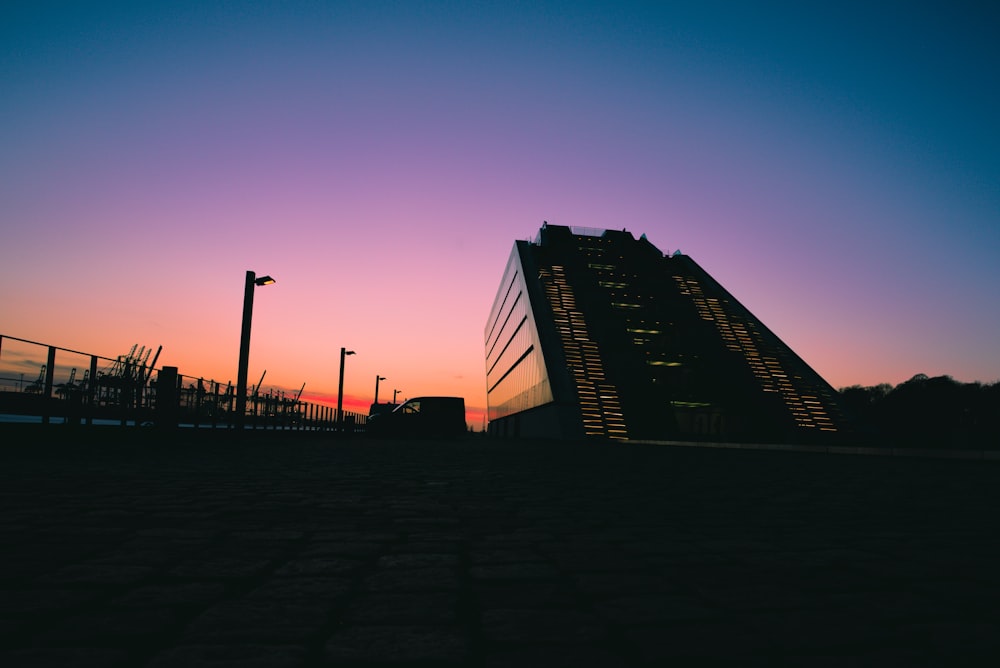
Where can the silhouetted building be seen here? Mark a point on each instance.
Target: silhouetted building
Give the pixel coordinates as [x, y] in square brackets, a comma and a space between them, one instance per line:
[594, 333]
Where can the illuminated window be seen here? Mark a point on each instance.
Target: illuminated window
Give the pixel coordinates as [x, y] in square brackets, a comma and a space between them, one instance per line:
[599, 407]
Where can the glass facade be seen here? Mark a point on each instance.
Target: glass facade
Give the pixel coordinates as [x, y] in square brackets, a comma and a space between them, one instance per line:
[620, 341]
[596, 396]
[770, 362]
[516, 376]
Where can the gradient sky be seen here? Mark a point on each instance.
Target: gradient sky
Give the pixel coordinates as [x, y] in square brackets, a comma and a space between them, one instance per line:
[837, 169]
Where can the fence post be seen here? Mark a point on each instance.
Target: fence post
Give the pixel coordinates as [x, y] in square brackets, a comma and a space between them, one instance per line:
[215, 406]
[92, 390]
[167, 405]
[50, 371]
[196, 418]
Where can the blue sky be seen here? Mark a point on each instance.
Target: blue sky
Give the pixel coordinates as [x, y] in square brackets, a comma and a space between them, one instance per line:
[836, 167]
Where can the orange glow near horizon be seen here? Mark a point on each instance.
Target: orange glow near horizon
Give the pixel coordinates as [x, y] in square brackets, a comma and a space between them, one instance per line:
[148, 163]
[474, 416]
[22, 361]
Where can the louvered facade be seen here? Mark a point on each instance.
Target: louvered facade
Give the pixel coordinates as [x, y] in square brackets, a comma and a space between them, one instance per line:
[594, 333]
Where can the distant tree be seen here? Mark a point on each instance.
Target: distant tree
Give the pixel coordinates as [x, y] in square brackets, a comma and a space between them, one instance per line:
[927, 412]
[861, 402]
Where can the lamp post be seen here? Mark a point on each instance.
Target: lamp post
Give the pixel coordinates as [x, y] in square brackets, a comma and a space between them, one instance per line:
[394, 393]
[340, 389]
[377, 379]
[241, 375]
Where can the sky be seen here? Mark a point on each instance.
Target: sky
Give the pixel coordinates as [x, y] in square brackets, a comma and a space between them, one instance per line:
[836, 167]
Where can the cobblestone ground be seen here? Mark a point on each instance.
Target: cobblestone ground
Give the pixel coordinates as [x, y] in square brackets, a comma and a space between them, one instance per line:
[305, 551]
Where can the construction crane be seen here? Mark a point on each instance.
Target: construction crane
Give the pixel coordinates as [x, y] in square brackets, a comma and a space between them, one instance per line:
[152, 365]
[36, 386]
[69, 387]
[134, 365]
[128, 373]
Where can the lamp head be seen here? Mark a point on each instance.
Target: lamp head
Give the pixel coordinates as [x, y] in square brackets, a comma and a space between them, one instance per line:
[264, 280]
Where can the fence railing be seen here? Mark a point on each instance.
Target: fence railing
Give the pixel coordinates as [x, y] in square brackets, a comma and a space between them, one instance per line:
[130, 391]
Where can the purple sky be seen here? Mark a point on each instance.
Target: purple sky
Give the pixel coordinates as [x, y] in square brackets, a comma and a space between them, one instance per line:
[837, 169]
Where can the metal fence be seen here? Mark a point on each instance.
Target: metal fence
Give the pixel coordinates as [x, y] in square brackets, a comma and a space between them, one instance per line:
[50, 384]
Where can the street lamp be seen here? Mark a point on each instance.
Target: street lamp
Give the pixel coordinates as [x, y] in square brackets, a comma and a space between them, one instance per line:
[340, 389]
[377, 379]
[394, 393]
[241, 374]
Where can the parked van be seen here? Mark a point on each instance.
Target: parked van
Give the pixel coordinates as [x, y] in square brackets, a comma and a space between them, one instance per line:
[381, 409]
[422, 417]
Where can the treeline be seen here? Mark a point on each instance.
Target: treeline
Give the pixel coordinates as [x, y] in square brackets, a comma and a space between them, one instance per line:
[924, 412]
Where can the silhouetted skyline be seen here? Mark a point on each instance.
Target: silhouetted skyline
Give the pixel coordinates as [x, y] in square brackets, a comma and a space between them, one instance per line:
[836, 169]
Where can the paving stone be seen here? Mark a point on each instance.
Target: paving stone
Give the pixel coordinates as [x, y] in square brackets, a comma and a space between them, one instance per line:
[650, 608]
[411, 560]
[313, 566]
[354, 536]
[409, 609]
[100, 573]
[174, 594]
[560, 656]
[869, 658]
[106, 627]
[817, 630]
[173, 534]
[531, 594]
[398, 644]
[502, 555]
[268, 536]
[720, 642]
[321, 589]
[534, 570]
[509, 627]
[412, 580]
[231, 655]
[256, 620]
[20, 602]
[144, 557]
[591, 560]
[342, 548]
[65, 657]
[286, 551]
[613, 584]
[954, 640]
[221, 567]
[438, 540]
[417, 546]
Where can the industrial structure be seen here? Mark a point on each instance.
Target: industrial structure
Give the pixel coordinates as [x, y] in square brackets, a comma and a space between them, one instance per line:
[594, 333]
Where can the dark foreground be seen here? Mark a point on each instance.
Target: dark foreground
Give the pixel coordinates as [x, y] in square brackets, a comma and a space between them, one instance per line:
[298, 551]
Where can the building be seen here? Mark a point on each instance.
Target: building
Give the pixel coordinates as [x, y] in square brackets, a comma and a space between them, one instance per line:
[594, 333]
